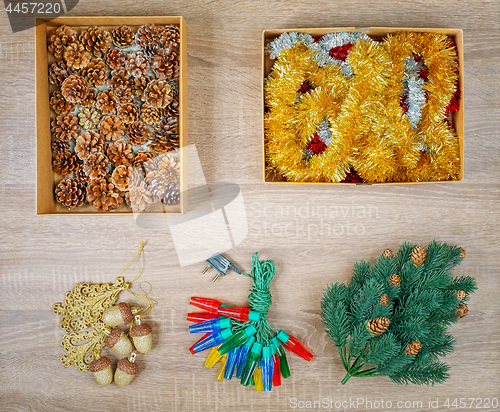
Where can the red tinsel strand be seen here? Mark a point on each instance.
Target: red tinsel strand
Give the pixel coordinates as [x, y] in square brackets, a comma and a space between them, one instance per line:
[340, 52]
[317, 39]
[352, 177]
[316, 145]
[404, 105]
[424, 73]
[306, 87]
[454, 105]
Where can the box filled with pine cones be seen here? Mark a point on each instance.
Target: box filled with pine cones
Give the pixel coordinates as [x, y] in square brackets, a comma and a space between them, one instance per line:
[111, 99]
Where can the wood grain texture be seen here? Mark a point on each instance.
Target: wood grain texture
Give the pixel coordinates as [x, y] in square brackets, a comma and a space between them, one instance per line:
[314, 234]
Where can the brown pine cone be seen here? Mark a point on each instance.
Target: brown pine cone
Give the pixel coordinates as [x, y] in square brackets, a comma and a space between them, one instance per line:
[103, 195]
[89, 117]
[120, 153]
[148, 39]
[462, 311]
[121, 177]
[165, 137]
[145, 160]
[170, 37]
[75, 89]
[418, 255]
[90, 100]
[172, 110]
[138, 133]
[58, 71]
[462, 252]
[66, 127]
[384, 300]
[80, 174]
[120, 77]
[413, 348]
[166, 64]
[394, 280]
[89, 143]
[460, 295]
[95, 40]
[169, 167]
[76, 56]
[150, 114]
[96, 72]
[64, 163]
[140, 84]
[105, 102]
[378, 326]
[96, 165]
[59, 104]
[158, 93]
[167, 192]
[174, 84]
[171, 196]
[60, 145]
[387, 254]
[128, 112]
[137, 64]
[70, 193]
[161, 147]
[111, 127]
[122, 37]
[60, 39]
[114, 58]
[140, 198]
[122, 94]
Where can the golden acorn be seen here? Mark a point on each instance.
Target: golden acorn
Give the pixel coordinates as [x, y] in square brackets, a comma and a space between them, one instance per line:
[418, 255]
[413, 348]
[387, 254]
[378, 326]
[141, 334]
[384, 300]
[460, 295]
[118, 342]
[126, 369]
[394, 280]
[117, 315]
[462, 310]
[101, 368]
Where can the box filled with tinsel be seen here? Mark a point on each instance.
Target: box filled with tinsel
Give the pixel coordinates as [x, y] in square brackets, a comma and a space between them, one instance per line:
[111, 99]
[375, 105]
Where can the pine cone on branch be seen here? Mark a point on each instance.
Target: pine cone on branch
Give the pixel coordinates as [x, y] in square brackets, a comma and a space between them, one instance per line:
[170, 37]
[114, 58]
[460, 295]
[75, 89]
[150, 114]
[122, 37]
[76, 56]
[138, 133]
[96, 72]
[95, 40]
[60, 145]
[394, 280]
[384, 300]
[462, 311]
[64, 163]
[122, 94]
[120, 153]
[89, 143]
[103, 195]
[378, 326]
[58, 71]
[111, 127]
[96, 165]
[166, 65]
[121, 177]
[148, 39]
[120, 77]
[387, 254]
[105, 102]
[418, 255]
[59, 104]
[128, 112]
[65, 127]
[60, 39]
[462, 252]
[413, 348]
[89, 117]
[70, 193]
[137, 64]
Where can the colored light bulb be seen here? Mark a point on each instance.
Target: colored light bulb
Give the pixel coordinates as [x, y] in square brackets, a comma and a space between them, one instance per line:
[222, 366]
[242, 356]
[237, 313]
[210, 305]
[231, 363]
[285, 370]
[266, 368]
[214, 339]
[276, 367]
[257, 376]
[251, 363]
[212, 358]
[210, 325]
[199, 340]
[292, 344]
[237, 339]
[198, 317]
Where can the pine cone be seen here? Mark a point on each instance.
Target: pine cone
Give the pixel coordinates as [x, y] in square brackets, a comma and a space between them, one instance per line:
[384, 300]
[122, 37]
[58, 71]
[174, 84]
[103, 195]
[60, 145]
[387, 254]
[462, 311]
[96, 72]
[105, 102]
[90, 100]
[128, 112]
[75, 89]
[145, 160]
[114, 58]
[96, 165]
[89, 117]
[138, 133]
[140, 84]
[462, 252]
[378, 325]
[64, 163]
[172, 110]
[418, 255]
[59, 104]
[89, 143]
[70, 193]
[80, 174]
[120, 77]
[140, 197]
[76, 56]
[169, 167]
[460, 295]
[161, 147]
[413, 348]
[150, 114]
[137, 64]
[95, 40]
[148, 39]
[111, 127]
[394, 280]
[158, 184]
[120, 153]
[165, 137]
[121, 177]
[171, 197]
[122, 94]
[65, 126]
[170, 37]
[158, 93]
[166, 64]
[60, 39]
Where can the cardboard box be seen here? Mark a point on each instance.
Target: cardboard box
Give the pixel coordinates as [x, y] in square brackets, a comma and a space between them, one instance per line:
[47, 179]
[457, 118]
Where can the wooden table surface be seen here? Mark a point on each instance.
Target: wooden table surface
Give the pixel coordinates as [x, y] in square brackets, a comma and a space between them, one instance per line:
[314, 234]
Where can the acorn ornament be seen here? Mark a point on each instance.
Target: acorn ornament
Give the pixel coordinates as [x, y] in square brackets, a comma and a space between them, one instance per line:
[118, 315]
[101, 368]
[126, 369]
[141, 334]
[118, 342]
